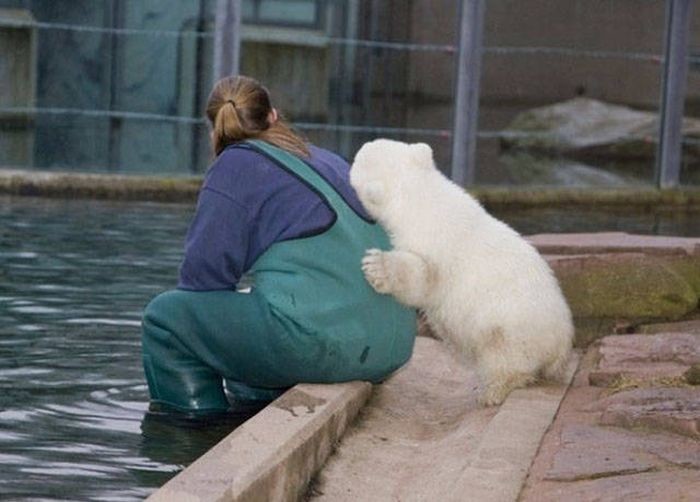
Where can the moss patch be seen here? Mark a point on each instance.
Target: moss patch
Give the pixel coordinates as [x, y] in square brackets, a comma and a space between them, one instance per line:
[688, 268]
[692, 376]
[625, 286]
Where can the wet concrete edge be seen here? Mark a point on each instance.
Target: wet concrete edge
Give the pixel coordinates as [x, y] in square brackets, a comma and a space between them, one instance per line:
[183, 188]
[275, 454]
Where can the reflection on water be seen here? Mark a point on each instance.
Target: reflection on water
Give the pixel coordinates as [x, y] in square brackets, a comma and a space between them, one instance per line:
[74, 276]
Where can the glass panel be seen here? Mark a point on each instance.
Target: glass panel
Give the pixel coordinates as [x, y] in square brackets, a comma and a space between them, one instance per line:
[116, 86]
[569, 92]
[690, 168]
[121, 85]
[382, 73]
[249, 10]
[287, 11]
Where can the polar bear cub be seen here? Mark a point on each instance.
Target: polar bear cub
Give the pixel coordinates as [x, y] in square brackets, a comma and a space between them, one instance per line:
[483, 288]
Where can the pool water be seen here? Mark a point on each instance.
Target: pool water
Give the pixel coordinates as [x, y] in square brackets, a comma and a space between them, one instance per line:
[74, 278]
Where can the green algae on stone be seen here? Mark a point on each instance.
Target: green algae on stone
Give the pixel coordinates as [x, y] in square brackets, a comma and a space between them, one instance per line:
[687, 267]
[627, 286]
[692, 376]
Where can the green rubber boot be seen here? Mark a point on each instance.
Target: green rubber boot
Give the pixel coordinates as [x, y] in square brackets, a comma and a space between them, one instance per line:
[177, 378]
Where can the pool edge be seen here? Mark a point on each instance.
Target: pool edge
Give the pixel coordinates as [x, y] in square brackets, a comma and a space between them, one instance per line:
[275, 454]
[184, 188]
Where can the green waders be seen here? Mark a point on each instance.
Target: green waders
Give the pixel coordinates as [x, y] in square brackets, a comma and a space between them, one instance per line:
[310, 317]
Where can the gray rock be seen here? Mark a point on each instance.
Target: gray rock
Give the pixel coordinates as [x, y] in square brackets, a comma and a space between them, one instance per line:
[522, 168]
[644, 358]
[669, 409]
[584, 127]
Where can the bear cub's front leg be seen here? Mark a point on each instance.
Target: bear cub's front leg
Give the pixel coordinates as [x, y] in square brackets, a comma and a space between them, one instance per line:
[405, 275]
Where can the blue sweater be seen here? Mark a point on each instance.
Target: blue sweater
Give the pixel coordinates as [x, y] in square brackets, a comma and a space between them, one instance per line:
[247, 203]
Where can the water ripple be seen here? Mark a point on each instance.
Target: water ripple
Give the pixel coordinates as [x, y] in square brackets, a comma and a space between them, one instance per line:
[72, 391]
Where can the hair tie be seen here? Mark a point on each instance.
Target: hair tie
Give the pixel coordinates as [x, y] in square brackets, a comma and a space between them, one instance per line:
[233, 103]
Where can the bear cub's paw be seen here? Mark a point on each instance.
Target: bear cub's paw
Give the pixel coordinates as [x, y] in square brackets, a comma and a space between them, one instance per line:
[493, 395]
[376, 270]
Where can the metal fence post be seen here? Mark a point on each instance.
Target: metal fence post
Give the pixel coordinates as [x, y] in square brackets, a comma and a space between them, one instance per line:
[227, 38]
[466, 106]
[675, 75]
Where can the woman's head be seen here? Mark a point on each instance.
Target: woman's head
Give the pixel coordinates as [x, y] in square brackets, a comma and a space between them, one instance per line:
[240, 108]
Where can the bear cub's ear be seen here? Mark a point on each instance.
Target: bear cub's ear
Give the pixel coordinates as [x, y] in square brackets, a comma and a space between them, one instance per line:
[421, 154]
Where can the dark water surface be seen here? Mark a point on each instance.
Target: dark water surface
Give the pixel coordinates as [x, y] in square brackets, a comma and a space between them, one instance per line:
[74, 277]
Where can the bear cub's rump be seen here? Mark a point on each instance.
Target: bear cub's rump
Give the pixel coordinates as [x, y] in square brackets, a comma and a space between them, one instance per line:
[483, 288]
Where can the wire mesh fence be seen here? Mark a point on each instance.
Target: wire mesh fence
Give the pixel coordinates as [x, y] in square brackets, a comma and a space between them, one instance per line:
[569, 91]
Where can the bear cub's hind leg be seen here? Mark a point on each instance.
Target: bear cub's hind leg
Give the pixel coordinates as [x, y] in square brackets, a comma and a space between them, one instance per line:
[405, 275]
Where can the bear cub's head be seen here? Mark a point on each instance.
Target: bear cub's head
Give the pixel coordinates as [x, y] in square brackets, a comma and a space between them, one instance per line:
[383, 168]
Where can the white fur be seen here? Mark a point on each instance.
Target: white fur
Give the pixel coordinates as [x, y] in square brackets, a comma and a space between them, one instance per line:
[482, 287]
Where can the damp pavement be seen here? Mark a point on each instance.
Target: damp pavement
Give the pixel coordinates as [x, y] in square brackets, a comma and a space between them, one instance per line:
[629, 427]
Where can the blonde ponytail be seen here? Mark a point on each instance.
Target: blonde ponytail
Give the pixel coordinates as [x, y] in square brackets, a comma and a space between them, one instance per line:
[239, 108]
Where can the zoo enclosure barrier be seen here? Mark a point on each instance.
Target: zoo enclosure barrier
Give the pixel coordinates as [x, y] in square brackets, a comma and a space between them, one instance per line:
[218, 41]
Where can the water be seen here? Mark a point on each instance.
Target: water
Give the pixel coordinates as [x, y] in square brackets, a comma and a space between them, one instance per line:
[74, 277]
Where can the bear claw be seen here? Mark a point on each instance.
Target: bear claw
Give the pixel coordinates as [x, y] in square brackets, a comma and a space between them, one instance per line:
[375, 270]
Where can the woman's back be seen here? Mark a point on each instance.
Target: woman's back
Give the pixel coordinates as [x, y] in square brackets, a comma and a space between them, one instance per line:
[247, 203]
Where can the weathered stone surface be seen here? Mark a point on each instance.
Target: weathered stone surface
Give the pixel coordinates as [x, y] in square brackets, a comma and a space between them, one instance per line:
[692, 327]
[630, 445]
[422, 437]
[589, 329]
[613, 242]
[623, 285]
[612, 279]
[590, 452]
[679, 256]
[644, 357]
[584, 127]
[273, 455]
[658, 408]
[415, 434]
[692, 375]
[666, 486]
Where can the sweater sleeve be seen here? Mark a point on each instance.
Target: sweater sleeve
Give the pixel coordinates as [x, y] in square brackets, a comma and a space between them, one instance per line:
[216, 247]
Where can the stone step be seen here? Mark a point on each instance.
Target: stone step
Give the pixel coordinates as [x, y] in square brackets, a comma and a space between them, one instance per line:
[629, 359]
[423, 437]
[637, 440]
[614, 242]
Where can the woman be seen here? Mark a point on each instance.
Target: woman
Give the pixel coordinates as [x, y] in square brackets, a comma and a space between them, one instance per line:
[282, 211]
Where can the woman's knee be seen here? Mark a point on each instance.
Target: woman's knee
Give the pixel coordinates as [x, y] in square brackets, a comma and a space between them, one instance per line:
[163, 307]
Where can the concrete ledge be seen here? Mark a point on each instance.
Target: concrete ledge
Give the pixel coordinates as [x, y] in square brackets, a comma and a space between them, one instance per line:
[274, 455]
[624, 199]
[99, 186]
[185, 189]
[509, 444]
